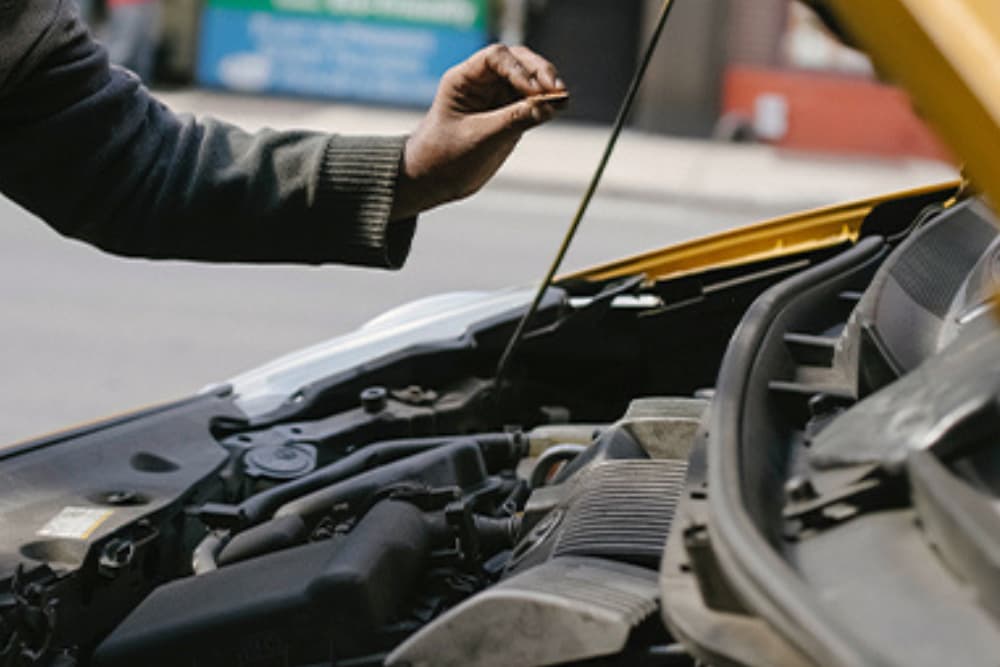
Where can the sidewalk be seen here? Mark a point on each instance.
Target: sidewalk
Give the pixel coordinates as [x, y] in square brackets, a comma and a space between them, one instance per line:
[562, 156]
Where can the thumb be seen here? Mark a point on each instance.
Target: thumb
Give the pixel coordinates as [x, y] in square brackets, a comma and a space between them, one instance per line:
[517, 117]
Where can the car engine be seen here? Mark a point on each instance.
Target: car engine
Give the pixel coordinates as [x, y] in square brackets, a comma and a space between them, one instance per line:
[411, 510]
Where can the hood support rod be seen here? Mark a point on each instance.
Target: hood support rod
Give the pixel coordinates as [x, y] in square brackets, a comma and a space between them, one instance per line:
[623, 114]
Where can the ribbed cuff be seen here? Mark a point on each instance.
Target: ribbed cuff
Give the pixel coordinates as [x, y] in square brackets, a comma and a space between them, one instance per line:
[357, 185]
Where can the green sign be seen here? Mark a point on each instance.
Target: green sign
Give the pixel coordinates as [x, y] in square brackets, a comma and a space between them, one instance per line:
[461, 14]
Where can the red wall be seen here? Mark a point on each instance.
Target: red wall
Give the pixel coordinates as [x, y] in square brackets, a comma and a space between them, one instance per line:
[836, 113]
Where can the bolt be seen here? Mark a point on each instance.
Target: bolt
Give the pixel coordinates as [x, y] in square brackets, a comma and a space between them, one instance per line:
[123, 497]
[373, 399]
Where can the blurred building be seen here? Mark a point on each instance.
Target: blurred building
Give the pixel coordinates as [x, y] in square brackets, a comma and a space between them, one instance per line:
[766, 70]
[763, 70]
[790, 82]
[681, 94]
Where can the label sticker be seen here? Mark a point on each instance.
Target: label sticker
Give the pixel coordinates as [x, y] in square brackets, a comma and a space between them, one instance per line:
[76, 523]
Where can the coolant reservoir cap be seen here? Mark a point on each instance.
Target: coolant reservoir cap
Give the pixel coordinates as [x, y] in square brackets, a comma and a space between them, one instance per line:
[280, 461]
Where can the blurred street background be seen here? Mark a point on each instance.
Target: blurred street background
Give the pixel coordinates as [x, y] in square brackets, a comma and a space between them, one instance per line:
[751, 110]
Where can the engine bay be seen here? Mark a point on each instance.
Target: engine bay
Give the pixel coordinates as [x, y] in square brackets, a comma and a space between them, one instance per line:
[412, 511]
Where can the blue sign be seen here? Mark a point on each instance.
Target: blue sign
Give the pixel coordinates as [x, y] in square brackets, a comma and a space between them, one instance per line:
[374, 61]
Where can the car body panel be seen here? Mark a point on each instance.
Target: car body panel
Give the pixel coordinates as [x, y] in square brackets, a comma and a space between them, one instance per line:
[434, 320]
[772, 239]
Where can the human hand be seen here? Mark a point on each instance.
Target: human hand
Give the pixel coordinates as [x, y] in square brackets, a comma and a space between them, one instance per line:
[481, 109]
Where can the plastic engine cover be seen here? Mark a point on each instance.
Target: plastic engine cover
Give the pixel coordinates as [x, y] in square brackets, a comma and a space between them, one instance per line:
[314, 603]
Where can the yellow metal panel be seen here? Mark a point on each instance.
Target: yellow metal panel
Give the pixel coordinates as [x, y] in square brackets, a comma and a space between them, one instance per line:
[781, 237]
[946, 53]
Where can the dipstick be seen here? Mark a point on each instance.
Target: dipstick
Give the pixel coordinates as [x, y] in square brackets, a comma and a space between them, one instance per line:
[623, 114]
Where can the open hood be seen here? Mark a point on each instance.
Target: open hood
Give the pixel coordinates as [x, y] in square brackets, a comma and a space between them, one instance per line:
[945, 53]
[773, 447]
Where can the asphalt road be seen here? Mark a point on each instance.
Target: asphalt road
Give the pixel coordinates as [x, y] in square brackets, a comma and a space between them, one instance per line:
[86, 335]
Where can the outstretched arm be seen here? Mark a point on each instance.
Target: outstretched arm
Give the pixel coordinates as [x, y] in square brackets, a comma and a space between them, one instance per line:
[86, 148]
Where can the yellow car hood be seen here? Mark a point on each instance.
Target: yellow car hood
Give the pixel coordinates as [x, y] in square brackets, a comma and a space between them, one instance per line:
[946, 53]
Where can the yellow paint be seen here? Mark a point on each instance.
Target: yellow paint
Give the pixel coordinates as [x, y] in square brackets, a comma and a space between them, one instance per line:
[97, 524]
[946, 54]
[781, 237]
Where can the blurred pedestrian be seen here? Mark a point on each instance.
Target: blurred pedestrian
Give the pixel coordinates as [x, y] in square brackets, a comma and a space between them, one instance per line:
[133, 34]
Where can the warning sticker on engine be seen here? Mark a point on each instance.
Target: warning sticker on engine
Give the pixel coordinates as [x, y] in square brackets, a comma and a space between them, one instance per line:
[76, 523]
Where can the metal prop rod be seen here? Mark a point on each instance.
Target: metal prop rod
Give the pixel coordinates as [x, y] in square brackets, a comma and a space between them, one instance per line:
[623, 114]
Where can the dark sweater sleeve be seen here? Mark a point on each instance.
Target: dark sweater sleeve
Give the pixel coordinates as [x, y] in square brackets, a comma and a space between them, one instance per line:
[86, 148]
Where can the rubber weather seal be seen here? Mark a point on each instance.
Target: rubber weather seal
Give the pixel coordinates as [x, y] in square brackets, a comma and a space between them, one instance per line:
[761, 578]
